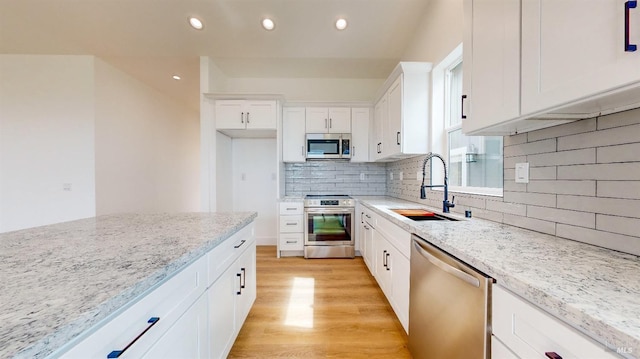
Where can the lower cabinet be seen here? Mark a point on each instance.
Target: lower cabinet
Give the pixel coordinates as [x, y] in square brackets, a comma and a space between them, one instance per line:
[521, 330]
[197, 313]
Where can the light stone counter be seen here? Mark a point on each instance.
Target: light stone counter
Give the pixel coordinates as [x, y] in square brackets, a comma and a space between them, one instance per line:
[59, 280]
[593, 289]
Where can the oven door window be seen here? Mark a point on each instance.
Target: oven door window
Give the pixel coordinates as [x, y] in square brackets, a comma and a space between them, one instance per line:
[329, 228]
[323, 147]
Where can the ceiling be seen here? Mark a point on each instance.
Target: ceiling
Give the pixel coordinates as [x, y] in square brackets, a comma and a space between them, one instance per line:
[151, 39]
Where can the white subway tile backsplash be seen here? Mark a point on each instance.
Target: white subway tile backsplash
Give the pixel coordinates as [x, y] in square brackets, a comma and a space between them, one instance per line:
[584, 188]
[621, 153]
[512, 186]
[531, 148]
[507, 207]
[624, 118]
[582, 219]
[613, 206]
[542, 173]
[605, 171]
[515, 139]
[537, 199]
[571, 128]
[510, 162]
[616, 224]
[608, 137]
[619, 189]
[574, 157]
[614, 241]
[334, 177]
[530, 223]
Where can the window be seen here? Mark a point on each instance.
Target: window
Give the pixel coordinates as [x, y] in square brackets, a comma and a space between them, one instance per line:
[475, 163]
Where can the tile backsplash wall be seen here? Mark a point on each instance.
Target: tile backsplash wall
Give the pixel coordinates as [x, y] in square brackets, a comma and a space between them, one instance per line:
[335, 177]
[584, 182]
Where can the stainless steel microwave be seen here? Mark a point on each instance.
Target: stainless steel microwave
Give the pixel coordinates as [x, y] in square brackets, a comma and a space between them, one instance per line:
[328, 145]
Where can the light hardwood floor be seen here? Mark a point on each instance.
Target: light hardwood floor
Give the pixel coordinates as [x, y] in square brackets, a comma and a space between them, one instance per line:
[318, 308]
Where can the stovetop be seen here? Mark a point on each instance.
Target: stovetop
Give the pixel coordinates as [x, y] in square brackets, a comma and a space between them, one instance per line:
[330, 200]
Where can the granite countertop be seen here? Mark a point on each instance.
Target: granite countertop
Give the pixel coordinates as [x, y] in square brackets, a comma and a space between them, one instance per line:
[593, 289]
[59, 280]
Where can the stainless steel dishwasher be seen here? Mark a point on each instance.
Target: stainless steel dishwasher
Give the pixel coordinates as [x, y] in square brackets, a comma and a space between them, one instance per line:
[449, 306]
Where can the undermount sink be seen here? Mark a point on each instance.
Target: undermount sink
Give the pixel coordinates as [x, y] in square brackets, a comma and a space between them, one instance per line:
[421, 215]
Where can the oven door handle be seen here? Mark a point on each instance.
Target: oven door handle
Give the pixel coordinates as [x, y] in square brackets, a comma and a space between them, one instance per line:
[329, 210]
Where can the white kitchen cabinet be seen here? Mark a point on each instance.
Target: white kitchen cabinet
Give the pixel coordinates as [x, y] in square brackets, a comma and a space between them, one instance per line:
[328, 120]
[574, 50]
[291, 228]
[402, 113]
[360, 134]
[187, 338]
[491, 63]
[246, 114]
[293, 134]
[500, 351]
[366, 237]
[529, 332]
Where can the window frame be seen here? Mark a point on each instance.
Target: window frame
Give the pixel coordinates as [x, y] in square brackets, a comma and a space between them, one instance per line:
[440, 86]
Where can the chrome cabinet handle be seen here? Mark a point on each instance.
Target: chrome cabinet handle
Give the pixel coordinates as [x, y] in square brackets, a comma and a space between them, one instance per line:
[241, 243]
[241, 117]
[467, 278]
[462, 115]
[116, 353]
[627, 7]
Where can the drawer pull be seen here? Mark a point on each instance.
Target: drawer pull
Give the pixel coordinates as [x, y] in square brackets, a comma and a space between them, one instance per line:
[241, 243]
[628, 5]
[292, 242]
[116, 353]
[292, 223]
[552, 355]
[291, 208]
[243, 280]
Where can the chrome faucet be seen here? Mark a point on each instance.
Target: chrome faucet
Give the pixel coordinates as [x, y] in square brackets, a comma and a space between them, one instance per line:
[423, 195]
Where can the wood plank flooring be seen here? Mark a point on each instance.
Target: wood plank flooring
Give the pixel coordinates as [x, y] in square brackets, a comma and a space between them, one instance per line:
[318, 308]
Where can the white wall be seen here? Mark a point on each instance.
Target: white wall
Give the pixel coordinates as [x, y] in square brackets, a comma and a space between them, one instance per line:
[438, 34]
[254, 183]
[147, 147]
[224, 173]
[46, 140]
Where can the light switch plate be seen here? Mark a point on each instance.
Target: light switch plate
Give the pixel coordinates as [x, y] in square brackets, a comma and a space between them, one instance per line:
[522, 172]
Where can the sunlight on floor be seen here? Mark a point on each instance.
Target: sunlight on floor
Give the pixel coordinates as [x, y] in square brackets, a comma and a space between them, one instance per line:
[300, 308]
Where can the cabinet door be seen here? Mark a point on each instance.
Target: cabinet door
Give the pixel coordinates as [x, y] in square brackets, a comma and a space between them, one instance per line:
[376, 145]
[383, 273]
[392, 134]
[491, 63]
[293, 134]
[399, 265]
[230, 114]
[261, 115]
[360, 135]
[340, 120]
[368, 248]
[222, 298]
[246, 286]
[187, 338]
[574, 49]
[317, 119]
[500, 351]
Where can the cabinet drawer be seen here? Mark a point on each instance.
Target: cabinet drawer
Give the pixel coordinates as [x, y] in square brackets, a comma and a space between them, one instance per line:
[291, 241]
[530, 333]
[221, 257]
[167, 302]
[291, 224]
[291, 208]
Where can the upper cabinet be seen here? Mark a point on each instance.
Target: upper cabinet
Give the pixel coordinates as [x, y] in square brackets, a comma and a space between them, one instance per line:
[293, 134]
[532, 64]
[328, 120]
[360, 134]
[246, 114]
[401, 115]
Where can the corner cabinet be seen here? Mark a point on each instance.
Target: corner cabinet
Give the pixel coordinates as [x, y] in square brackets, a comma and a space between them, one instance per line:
[401, 113]
[556, 62]
[246, 114]
[293, 134]
[196, 313]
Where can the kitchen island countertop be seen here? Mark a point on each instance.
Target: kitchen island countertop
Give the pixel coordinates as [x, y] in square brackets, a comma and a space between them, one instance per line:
[59, 280]
[593, 289]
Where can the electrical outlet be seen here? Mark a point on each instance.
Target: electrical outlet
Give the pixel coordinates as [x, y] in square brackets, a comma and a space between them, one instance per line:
[400, 176]
[362, 177]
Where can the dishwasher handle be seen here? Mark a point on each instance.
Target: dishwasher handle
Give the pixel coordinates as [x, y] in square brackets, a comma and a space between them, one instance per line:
[467, 278]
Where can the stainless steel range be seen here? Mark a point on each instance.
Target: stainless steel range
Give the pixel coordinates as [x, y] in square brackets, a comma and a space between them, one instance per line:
[329, 226]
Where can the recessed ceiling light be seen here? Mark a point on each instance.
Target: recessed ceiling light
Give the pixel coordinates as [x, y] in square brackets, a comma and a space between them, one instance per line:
[196, 23]
[341, 24]
[176, 77]
[268, 24]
